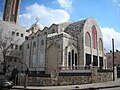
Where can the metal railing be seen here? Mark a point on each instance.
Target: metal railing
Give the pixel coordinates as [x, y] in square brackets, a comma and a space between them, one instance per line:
[81, 67]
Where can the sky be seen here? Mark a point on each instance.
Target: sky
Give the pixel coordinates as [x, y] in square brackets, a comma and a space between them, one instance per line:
[106, 13]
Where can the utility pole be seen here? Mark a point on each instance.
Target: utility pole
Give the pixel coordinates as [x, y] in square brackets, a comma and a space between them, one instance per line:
[113, 57]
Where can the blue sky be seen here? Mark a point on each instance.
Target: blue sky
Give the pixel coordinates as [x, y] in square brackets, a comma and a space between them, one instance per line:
[106, 13]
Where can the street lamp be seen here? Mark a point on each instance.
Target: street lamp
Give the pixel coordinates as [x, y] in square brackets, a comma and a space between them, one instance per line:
[113, 57]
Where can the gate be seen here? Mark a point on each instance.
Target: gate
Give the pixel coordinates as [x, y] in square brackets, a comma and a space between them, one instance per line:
[118, 72]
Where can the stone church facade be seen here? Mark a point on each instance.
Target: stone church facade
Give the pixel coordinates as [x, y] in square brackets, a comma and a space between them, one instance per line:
[64, 47]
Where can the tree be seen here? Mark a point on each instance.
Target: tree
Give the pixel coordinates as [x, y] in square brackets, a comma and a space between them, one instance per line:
[7, 40]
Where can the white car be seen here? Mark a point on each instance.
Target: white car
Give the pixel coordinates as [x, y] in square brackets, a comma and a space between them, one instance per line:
[5, 83]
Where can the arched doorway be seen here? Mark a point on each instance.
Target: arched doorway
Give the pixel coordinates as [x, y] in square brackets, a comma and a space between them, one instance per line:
[14, 76]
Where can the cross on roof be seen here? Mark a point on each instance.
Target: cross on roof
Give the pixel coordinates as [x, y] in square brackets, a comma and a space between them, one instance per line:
[37, 19]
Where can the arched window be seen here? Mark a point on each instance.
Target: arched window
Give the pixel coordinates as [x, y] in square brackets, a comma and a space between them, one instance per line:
[72, 57]
[69, 59]
[42, 42]
[34, 47]
[87, 39]
[38, 35]
[53, 31]
[45, 33]
[34, 44]
[75, 59]
[94, 36]
[32, 37]
[100, 44]
[27, 46]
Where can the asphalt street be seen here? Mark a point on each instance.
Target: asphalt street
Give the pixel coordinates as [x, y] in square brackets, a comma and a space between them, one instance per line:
[116, 88]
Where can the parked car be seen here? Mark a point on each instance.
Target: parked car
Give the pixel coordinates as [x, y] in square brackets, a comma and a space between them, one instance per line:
[5, 83]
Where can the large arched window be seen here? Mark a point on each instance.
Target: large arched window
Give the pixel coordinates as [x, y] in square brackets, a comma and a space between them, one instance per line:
[42, 42]
[72, 58]
[87, 39]
[34, 47]
[100, 44]
[94, 36]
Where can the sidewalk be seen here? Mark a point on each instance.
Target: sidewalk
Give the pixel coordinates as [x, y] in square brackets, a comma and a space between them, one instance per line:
[109, 84]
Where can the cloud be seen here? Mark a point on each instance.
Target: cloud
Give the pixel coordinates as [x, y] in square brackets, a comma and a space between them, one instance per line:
[66, 4]
[116, 1]
[108, 34]
[117, 4]
[46, 15]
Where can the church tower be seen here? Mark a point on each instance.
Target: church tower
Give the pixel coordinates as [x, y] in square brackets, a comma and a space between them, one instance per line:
[11, 10]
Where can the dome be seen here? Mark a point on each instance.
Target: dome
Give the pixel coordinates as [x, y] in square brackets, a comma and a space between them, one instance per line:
[37, 26]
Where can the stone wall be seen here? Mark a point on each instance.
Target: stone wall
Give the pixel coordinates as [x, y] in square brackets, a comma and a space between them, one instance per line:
[73, 80]
[34, 81]
[39, 81]
[95, 77]
[101, 75]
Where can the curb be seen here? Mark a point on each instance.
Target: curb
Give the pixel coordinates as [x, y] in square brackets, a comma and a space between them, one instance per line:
[95, 88]
[75, 88]
[108, 87]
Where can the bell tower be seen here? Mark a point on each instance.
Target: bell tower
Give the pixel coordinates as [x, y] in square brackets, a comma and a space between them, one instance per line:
[11, 10]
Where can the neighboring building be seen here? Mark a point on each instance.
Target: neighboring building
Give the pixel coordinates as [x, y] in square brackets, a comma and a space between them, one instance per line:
[66, 46]
[109, 57]
[11, 11]
[17, 35]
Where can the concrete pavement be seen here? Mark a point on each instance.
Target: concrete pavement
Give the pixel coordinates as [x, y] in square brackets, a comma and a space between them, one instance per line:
[93, 86]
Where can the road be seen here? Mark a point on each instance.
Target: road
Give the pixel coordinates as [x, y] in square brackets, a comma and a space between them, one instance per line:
[116, 88]
[10, 89]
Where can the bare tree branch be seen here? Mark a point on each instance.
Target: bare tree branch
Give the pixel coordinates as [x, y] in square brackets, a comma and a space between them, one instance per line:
[6, 41]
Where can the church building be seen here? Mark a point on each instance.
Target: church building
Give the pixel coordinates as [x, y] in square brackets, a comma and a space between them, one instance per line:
[66, 46]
